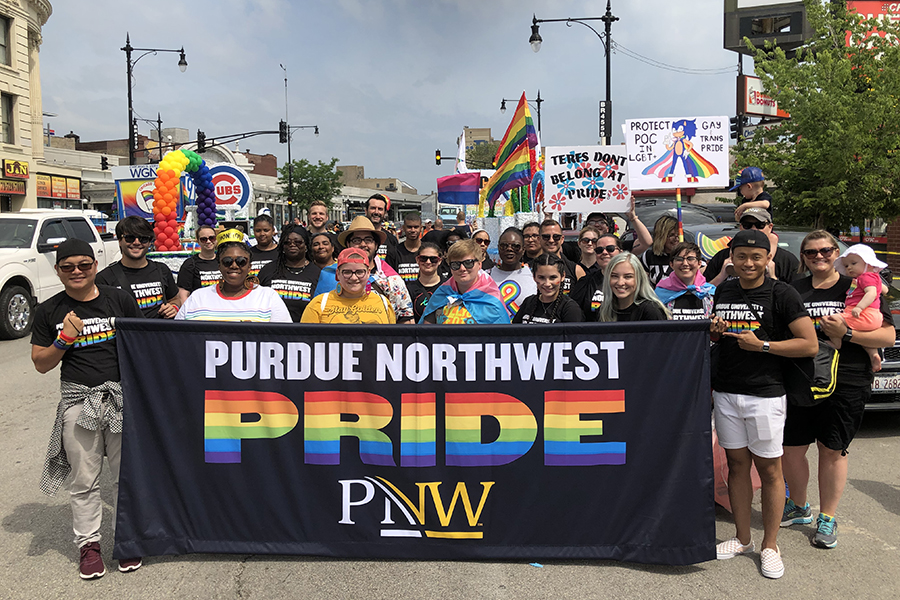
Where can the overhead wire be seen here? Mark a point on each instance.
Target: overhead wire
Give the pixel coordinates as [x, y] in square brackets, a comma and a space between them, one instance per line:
[616, 46]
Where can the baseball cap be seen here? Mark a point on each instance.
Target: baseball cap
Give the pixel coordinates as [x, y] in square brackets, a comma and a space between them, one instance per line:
[748, 175]
[73, 247]
[750, 238]
[760, 214]
[352, 255]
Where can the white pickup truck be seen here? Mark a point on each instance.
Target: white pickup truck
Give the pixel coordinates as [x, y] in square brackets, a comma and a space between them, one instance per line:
[28, 242]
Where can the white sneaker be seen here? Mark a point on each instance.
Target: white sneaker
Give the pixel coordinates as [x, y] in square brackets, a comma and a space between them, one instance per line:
[772, 565]
[732, 548]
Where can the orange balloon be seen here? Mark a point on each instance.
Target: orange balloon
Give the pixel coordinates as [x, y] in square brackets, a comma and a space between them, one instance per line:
[166, 211]
[168, 197]
[172, 174]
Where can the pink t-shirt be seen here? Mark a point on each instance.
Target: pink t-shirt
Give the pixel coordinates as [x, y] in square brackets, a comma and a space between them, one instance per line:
[858, 290]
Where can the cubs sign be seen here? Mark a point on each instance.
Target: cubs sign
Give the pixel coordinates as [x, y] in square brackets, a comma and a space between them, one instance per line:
[232, 186]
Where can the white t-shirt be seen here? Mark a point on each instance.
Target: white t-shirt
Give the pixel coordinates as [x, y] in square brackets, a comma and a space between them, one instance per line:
[514, 286]
[259, 305]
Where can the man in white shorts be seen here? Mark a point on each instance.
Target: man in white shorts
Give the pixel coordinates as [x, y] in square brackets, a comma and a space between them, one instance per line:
[760, 321]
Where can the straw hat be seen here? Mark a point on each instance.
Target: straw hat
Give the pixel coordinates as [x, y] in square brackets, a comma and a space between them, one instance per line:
[361, 224]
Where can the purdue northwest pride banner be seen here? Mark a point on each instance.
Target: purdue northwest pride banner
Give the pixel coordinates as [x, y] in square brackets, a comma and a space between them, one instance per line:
[558, 441]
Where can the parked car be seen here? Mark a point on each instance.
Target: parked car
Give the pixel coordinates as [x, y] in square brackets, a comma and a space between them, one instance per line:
[28, 242]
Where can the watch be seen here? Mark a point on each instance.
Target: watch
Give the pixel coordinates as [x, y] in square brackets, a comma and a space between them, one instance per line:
[765, 347]
[848, 336]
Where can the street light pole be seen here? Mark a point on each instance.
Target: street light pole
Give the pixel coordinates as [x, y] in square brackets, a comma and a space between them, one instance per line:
[290, 162]
[128, 49]
[537, 101]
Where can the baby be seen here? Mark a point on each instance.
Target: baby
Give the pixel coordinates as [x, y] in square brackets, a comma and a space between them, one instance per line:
[861, 310]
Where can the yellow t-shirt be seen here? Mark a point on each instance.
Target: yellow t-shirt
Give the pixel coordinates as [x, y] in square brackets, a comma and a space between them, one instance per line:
[372, 308]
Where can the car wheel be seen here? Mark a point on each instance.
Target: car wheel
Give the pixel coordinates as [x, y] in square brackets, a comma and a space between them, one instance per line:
[16, 312]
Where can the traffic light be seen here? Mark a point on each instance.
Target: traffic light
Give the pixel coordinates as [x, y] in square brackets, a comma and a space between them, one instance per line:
[437, 157]
[735, 127]
[201, 141]
[104, 163]
[282, 132]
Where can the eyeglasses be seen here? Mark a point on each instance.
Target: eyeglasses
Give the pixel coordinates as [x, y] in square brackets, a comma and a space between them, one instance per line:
[509, 246]
[290, 242]
[691, 260]
[608, 249]
[206, 240]
[468, 264]
[587, 240]
[825, 252]
[240, 261]
[483, 242]
[752, 225]
[551, 236]
[69, 267]
[531, 236]
[359, 274]
[129, 239]
[362, 240]
[428, 259]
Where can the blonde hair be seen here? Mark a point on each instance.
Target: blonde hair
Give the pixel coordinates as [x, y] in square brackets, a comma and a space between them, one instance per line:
[664, 226]
[464, 248]
[818, 234]
[643, 291]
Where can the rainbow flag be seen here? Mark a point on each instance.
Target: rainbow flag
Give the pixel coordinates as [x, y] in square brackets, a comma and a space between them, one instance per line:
[515, 172]
[459, 189]
[521, 129]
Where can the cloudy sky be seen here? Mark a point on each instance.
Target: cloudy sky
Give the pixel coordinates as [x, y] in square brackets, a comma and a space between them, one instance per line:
[386, 81]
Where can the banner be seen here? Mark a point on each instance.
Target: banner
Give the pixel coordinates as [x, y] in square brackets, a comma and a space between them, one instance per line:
[686, 152]
[464, 442]
[134, 191]
[584, 179]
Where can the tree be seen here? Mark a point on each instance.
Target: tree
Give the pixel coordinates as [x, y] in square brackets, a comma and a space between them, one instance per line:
[482, 155]
[836, 161]
[311, 182]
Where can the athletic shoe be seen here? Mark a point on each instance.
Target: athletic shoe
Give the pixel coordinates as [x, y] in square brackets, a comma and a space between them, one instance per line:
[826, 532]
[91, 563]
[126, 565]
[772, 565]
[732, 548]
[795, 515]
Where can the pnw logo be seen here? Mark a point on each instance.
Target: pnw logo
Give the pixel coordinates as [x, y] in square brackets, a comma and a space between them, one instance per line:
[417, 520]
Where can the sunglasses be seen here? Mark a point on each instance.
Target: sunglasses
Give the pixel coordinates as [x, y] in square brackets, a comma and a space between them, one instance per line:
[551, 236]
[129, 239]
[428, 259]
[203, 240]
[240, 261]
[608, 249]
[468, 264]
[69, 267]
[588, 240]
[825, 252]
[508, 246]
[483, 242]
[290, 242]
[359, 274]
[752, 225]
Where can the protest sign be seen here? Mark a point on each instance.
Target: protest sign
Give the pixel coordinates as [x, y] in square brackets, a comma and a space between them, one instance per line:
[583, 179]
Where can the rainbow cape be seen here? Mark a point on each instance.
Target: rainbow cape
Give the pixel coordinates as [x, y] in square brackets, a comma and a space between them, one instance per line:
[694, 165]
[515, 172]
[482, 300]
[520, 129]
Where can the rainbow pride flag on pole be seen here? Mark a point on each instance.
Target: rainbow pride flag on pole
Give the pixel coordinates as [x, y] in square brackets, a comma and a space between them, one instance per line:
[513, 173]
[521, 129]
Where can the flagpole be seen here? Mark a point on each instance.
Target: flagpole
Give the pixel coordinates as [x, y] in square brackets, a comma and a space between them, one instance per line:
[678, 209]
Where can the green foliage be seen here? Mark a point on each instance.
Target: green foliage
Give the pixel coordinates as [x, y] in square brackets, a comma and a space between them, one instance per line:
[836, 161]
[482, 155]
[311, 182]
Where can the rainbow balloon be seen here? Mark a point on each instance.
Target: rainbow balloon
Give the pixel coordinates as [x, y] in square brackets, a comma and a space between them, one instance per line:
[165, 196]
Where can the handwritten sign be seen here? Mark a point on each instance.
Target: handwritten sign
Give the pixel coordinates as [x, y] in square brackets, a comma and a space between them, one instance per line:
[675, 153]
[582, 179]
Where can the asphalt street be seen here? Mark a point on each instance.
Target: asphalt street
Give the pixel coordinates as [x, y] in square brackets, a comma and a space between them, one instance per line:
[39, 560]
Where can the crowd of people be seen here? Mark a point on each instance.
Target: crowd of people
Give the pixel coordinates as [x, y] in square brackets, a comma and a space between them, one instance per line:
[759, 307]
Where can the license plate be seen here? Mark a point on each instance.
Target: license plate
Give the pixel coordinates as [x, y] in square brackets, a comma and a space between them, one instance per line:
[889, 382]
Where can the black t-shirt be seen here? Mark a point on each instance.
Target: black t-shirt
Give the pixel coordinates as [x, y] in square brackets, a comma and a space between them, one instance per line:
[384, 249]
[197, 272]
[406, 266]
[657, 266]
[687, 307]
[645, 311]
[295, 286]
[786, 265]
[93, 358]
[588, 294]
[854, 366]
[562, 310]
[420, 295]
[260, 258]
[488, 263]
[764, 196]
[754, 373]
[434, 236]
[151, 286]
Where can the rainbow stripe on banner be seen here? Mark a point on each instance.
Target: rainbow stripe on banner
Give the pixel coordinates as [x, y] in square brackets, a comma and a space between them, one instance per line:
[564, 427]
[324, 428]
[224, 427]
[418, 422]
[518, 429]
[515, 172]
[521, 129]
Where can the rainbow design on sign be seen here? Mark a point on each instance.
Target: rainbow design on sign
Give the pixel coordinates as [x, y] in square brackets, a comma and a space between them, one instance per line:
[224, 425]
[295, 295]
[710, 247]
[150, 301]
[739, 326]
[564, 426]
[509, 292]
[518, 429]
[417, 430]
[94, 338]
[324, 427]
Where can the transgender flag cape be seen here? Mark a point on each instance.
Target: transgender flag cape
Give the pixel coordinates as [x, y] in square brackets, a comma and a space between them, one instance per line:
[483, 300]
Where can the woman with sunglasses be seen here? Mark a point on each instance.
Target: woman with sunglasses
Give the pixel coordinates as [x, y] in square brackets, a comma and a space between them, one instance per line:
[833, 423]
[548, 305]
[292, 274]
[237, 297]
[349, 302]
[512, 275]
[782, 264]
[483, 239]
[200, 270]
[470, 296]
[428, 258]
[588, 291]
[627, 295]
[588, 239]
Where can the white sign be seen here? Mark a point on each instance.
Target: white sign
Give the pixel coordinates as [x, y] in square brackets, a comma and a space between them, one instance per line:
[677, 153]
[583, 179]
[756, 102]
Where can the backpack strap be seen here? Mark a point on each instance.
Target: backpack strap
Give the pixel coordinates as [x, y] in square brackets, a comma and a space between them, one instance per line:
[119, 271]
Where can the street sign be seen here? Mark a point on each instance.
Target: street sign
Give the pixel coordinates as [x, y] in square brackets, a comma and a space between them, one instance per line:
[605, 110]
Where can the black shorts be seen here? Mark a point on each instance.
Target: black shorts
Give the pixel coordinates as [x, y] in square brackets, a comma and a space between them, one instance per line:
[834, 422]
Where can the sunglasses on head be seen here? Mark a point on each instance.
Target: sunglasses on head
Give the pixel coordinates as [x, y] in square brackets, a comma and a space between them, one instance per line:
[551, 236]
[468, 264]
[84, 267]
[129, 239]
[240, 261]
[428, 259]
[825, 252]
[752, 225]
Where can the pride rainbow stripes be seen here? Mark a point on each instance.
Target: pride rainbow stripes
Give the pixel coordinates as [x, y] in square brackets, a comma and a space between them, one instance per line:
[324, 427]
[564, 428]
[224, 427]
[518, 429]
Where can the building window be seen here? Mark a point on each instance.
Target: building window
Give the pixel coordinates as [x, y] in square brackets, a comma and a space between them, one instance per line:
[5, 51]
[6, 108]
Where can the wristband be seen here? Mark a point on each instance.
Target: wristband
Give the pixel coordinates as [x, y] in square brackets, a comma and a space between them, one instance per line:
[63, 342]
